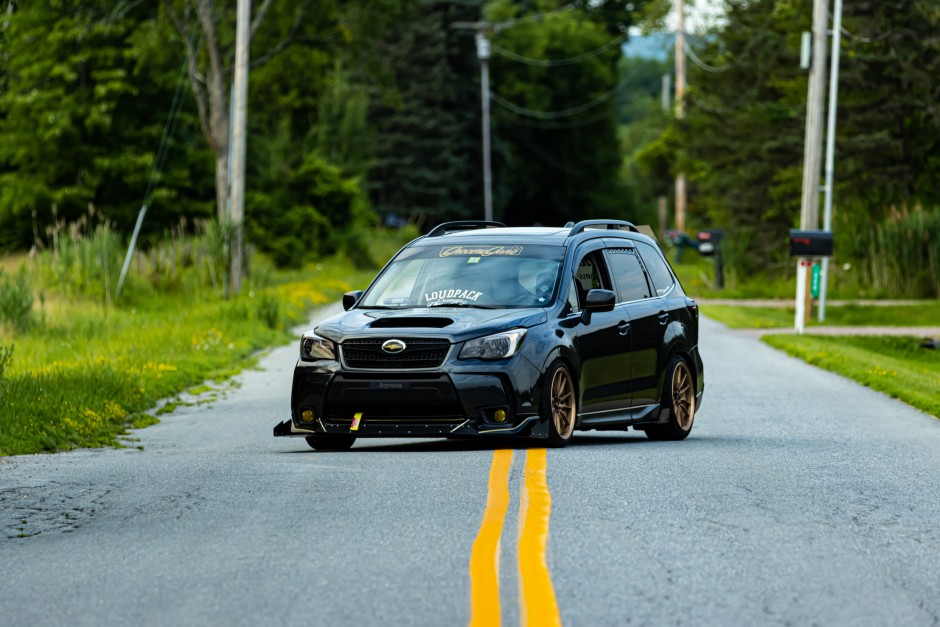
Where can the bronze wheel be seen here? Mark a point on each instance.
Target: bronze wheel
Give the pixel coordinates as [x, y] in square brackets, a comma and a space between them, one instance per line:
[683, 396]
[562, 400]
[678, 404]
[559, 404]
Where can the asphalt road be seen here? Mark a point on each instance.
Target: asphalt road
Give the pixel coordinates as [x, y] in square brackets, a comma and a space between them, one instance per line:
[800, 498]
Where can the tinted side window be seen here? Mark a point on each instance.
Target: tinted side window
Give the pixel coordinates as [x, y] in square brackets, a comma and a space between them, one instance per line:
[590, 274]
[628, 274]
[657, 268]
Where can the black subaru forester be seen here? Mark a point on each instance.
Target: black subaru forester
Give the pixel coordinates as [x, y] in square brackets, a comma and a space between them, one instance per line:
[477, 329]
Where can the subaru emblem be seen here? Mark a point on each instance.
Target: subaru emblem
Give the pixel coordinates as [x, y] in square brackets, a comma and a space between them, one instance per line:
[393, 346]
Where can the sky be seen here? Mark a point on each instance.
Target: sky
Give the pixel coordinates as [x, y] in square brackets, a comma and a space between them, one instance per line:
[699, 15]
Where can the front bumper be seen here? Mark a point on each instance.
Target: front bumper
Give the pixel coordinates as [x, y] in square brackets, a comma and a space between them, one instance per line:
[461, 401]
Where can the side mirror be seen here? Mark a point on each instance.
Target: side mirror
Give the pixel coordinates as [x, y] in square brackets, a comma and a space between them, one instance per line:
[597, 301]
[351, 298]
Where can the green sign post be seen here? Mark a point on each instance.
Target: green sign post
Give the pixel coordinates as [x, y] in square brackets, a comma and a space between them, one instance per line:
[814, 281]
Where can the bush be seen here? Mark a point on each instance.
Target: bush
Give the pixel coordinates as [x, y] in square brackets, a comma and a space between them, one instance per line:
[307, 214]
[16, 301]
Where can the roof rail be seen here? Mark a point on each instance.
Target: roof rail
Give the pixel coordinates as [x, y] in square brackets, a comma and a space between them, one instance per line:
[613, 225]
[463, 225]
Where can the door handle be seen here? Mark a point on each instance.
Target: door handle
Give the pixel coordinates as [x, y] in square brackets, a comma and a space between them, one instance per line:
[624, 327]
[663, 318]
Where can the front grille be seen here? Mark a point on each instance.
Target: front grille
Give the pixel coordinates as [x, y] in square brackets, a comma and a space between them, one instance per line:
[419, 353]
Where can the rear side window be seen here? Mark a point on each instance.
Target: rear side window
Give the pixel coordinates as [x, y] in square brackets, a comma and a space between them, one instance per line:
[657, 268]
[628, 275]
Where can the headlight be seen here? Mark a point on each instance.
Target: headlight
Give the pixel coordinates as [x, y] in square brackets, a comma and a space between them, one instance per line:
[499, 346]
[314, 347]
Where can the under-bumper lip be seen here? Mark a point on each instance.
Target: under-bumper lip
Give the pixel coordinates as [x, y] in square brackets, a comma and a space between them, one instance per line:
[468, 428]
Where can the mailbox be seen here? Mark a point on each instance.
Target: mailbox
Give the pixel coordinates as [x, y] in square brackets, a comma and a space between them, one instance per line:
[810, 243]
[708, 241]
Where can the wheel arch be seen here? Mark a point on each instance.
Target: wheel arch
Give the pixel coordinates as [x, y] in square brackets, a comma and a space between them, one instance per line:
[675, 342]
[568, 356]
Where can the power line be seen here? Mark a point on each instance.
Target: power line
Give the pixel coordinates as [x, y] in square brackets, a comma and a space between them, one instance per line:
[551, 126]
[172, 120]
[509, 54]
[764, 28]
[866, 40]
[705, 66]
[545, 156]
[563, 125]
[159, 159]
[564, 113]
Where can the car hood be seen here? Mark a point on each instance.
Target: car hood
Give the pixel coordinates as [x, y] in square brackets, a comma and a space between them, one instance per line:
[456, 324]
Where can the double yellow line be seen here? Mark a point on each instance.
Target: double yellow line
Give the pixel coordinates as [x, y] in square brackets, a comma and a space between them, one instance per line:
[536, 594]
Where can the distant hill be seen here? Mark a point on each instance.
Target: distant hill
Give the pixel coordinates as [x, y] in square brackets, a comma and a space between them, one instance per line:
[653, 46]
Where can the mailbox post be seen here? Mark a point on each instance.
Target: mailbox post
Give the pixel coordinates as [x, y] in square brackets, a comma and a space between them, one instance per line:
[709, 245]
[807, 246]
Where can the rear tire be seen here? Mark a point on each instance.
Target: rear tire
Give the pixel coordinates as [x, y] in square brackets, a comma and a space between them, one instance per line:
[679, 399]
[330, 442]
[559, 404]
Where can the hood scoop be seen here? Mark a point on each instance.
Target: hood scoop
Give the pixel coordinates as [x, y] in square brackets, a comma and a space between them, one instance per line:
[411, 322]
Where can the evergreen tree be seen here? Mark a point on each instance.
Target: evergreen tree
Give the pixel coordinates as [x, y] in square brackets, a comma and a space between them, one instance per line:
[888, 140]
[742, 139]
[427, 137]
[554, 80]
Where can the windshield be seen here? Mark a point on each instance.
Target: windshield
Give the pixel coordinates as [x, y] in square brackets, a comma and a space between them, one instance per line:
[478, 275]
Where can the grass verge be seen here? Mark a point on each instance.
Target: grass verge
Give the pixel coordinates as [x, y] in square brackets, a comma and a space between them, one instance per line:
[926, 314]
[897, 366]
[90, 371]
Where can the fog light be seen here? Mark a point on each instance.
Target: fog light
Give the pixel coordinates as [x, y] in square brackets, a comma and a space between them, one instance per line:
[307, 415]
[499, 415]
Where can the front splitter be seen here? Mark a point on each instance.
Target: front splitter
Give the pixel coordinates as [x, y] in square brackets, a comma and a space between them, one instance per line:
[530, 426]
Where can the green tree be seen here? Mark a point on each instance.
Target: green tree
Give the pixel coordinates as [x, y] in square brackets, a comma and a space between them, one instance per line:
[554, 80]
[81, 114]
[427, 138]
[742, 140]
[888, 142]
[307, 213]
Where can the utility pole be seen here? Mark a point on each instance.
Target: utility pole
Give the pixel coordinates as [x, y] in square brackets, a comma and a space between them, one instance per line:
[680, 106]
[239, 142]
[661, 209]
[483, 29]
[830, 145]
[809, 211]
[483, 54]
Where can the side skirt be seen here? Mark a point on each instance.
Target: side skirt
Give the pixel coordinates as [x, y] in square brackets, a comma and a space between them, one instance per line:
[619, 419]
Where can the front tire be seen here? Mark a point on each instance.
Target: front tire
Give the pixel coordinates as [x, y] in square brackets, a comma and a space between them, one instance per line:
[330, 442]
[679, 399]
[559, 404]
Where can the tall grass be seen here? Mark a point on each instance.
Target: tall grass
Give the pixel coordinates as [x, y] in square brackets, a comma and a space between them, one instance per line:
[16, 301]
[898, 256]
[84, 257]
